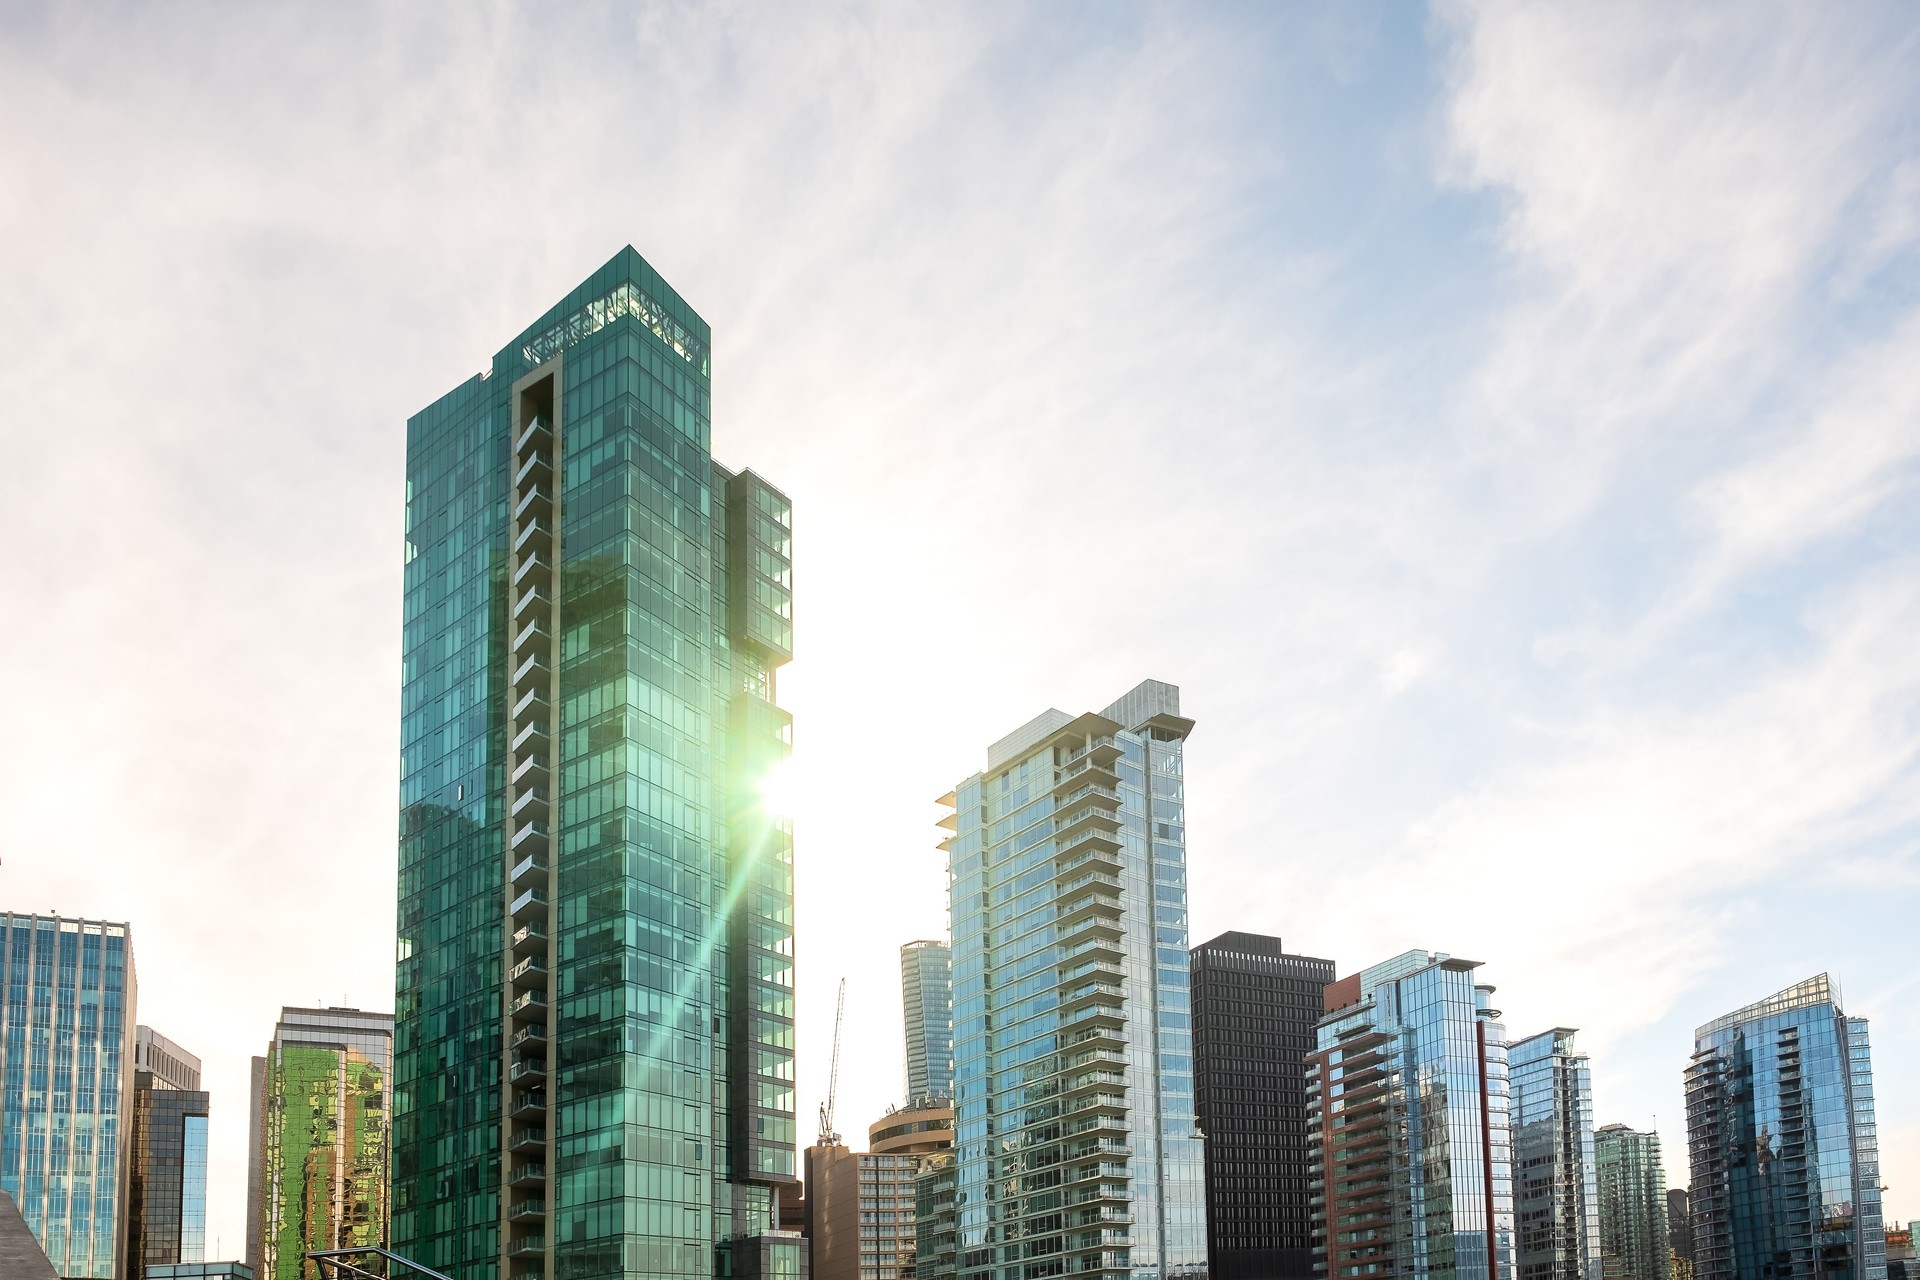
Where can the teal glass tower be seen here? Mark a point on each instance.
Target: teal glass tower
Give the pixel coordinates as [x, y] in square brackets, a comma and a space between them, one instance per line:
[593, 1058]
[1076, 1148]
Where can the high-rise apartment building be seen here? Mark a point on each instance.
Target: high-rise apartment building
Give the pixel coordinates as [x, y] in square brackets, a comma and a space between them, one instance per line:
[926, 990]
[1255, 1007]
[1077, 1150]
[1407, 1096]
[1633, 1203]
[594, 1057]
[320, 1129]
[1555, 1195]
[863, 1202]
[166, 1195]
[1782, 1142]
[66, 1084]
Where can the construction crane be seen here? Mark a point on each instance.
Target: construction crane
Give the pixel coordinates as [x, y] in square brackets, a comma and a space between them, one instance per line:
[828, 1138]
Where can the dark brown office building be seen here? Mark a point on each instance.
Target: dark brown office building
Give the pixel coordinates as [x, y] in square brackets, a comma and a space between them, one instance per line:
[1254, 1010]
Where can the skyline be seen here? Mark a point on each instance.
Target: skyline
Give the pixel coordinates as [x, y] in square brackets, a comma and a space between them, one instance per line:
[1585, 455]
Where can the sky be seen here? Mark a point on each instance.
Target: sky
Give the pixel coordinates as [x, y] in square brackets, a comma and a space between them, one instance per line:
[1502, 423]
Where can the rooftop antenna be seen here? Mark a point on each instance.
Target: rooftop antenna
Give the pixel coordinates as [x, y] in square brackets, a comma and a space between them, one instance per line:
[828, 1138]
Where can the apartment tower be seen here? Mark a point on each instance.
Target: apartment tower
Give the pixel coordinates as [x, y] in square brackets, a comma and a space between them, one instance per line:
[66, 1063]
[1076, 1146]
[594, 1040]
[1407, 1096]
[1555, 1196]
[1782, 1142]
[926, 990]
[1633, 1204]
[1254, 1011]
[167, 1158]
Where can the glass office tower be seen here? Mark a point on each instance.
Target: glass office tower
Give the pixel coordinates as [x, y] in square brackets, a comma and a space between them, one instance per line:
[1407, 1096]
[321, 1132]
[66, 1084]
[1555, 1195]
[594, 1057]
[926, 989]
[1633, 1204]
[1077, 1150]
[1782, 1142]
[1255, 1007]
[167, 1158]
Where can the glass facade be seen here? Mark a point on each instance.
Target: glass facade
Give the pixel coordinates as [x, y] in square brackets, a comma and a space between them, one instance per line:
[926, 989]
[322, 1135]
[1255, 1007]
[594, 1042]
[167, 1176]
[66, 1084]
[1633, 1204]
[1555, 1194]
[1407, 1096]
[1076, 1144]
[1782, 1142]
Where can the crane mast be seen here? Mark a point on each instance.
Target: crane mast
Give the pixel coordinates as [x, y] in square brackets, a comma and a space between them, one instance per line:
[828, 1137]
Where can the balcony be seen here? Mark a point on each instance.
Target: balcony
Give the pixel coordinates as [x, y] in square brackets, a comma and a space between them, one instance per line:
[527, 1071]
[531, 738]
[1086, 838]
[530, 974]
[528, 1006]
[527, 1173]
[527, 1209]
[534, 538]
[532, 567]
[534, 629]
[530, 772]
[535, 502]
[531, 1103]
[528, 1246]
[532, 601]
[1095, 901]
[531, 902]
[530, 939]
[530, 839]
[528, 1037]
[536, 434]
[534, 460]
[531, 703]
[1093, 993]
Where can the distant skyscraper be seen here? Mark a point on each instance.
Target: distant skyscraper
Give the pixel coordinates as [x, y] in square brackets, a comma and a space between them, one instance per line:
[1407, 1095]
[1076, 1141]
[1782, 1143]
[594, 1072]
[926, 989]
[1555, 1196]
[321, 1132]
[66, 1063]
[167, 1169]
[1633, 1204]
[1254, 1012]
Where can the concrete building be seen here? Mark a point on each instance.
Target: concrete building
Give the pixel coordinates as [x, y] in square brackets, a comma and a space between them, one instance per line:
[862, 1210]
[1255, 1007]
[1407, 1096]
[1076, 1148]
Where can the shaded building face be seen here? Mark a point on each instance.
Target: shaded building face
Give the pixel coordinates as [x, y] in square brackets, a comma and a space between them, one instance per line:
[66, 1085]
[594, 1002]
[1254, 1011]
[1782, 1143]
[1076, 1145]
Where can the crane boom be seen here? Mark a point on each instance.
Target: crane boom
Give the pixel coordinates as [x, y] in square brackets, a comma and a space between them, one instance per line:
[827, 1136]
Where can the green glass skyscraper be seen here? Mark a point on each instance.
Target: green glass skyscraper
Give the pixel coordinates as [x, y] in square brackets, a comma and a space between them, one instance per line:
[594, 1037]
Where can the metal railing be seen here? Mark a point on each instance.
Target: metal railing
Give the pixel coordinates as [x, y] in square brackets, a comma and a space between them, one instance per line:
[339, 1264]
